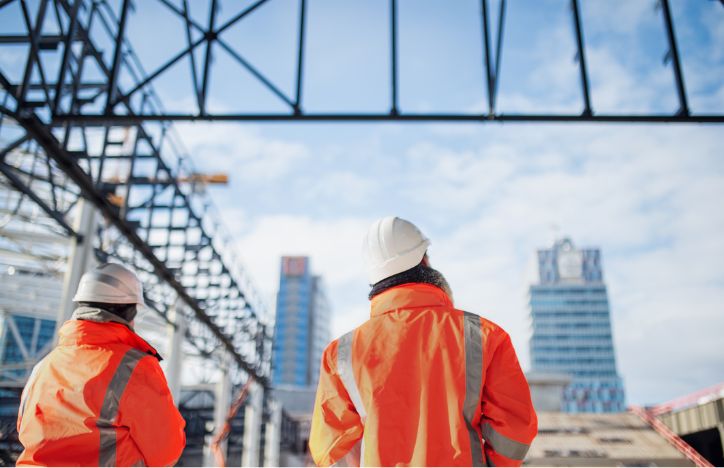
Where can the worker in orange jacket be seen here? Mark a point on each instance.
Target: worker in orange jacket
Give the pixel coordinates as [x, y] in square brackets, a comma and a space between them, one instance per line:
[420, 383]
[100, 397]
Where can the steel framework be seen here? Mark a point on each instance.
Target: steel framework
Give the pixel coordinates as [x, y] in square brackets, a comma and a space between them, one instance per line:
[80, 117]
[133, 176]
[119, 95]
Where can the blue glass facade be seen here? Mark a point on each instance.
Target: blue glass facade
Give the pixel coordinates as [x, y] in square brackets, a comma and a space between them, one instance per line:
[34, 334]
[301, 330]
[572, 328]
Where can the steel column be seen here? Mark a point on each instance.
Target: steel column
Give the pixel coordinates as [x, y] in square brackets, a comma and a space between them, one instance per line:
[79, 260]
[117, 57]
[581, 55]
[272, 434]
[177, 332]
[393, 56]
[222, 402]
[252, 426]
[674, 55]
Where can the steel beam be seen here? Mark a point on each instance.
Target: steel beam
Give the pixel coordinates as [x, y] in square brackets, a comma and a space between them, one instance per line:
[674, 55]
[20, 186]
[393, 58]
[581, 55]
[100, 120]
[40, 133]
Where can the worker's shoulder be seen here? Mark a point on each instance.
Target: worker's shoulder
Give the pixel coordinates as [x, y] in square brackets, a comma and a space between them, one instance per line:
[489, 328]
[346, 338]
[144, 373]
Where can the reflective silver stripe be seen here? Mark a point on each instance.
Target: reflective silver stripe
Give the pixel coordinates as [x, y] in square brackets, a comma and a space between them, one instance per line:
[473, 381]
[109, 408]
[346, 374]
[503, 445]
[344, 367]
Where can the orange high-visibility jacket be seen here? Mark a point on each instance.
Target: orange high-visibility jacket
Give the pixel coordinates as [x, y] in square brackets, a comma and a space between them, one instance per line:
[99, 399]
[421, 383]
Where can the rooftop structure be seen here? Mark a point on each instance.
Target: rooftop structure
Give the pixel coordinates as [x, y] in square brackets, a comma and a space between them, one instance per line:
[582, 439]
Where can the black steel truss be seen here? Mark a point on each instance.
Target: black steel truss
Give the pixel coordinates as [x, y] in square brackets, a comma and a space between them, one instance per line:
[105, 101]
[95, 128]
[133, 175]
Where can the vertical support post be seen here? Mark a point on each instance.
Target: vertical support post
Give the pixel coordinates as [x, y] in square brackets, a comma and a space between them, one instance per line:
[192, 56]
[80, 259]
[674, 55]
[581, 57]
[300, 55]
[67, 45]
[34, 34]
[222, 402]
[252, 425]
[488, 70]
[498, 49]
[210, 38]
[273, 434]
[393, 54]
[177, 331]
[117, 57]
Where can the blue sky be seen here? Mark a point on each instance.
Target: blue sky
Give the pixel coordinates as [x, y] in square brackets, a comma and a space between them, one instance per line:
[487, 195]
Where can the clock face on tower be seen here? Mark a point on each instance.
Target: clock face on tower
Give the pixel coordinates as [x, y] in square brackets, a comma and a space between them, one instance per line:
[570, 264]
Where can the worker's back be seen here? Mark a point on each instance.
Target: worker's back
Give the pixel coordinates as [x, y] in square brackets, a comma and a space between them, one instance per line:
[424, 383]
[99, 399]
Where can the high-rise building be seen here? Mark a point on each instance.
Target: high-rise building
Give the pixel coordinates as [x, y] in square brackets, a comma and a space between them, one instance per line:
[302, 328]
[29, 308]
[572, 328]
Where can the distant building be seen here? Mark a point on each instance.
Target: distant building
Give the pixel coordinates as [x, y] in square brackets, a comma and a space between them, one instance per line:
[622, 439]
[28, 312]
[699, 420]
[301, 333]
[546, 390]
[572, 328]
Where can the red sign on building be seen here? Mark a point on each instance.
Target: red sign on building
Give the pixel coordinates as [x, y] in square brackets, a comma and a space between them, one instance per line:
[294, 266]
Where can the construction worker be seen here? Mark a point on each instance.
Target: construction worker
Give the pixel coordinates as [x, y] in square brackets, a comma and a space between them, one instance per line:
[100, 398]
[420, 383]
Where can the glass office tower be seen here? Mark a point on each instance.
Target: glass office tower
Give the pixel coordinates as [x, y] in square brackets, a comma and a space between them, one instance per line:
[302, 328]
[572, 328]
[29, 306]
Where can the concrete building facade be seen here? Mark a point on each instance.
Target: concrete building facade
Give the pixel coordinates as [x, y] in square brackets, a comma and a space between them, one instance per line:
[572, 328]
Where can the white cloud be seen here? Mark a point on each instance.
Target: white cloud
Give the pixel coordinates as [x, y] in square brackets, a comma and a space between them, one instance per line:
[648, 197]
[241, 151]
[335, 250]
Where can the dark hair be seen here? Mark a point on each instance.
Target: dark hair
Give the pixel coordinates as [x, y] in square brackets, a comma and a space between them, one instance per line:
[125, 311]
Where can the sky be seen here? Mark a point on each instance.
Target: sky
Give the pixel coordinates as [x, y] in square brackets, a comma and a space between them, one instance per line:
[487, 195]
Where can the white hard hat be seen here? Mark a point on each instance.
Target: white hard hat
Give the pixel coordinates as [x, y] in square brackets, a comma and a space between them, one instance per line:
[110, 283]
[392, 245]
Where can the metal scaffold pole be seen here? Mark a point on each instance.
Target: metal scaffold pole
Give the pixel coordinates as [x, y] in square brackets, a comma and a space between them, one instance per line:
[272, 434]
[222, 402]
[252, 426]
[80, 259]
[176, 332]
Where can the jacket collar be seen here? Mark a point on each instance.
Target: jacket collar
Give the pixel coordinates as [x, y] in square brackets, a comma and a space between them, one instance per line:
[408, 296]
[94, 314]
[88, 332]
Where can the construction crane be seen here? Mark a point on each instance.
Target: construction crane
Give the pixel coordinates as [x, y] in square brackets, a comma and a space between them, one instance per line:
[198, 180]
